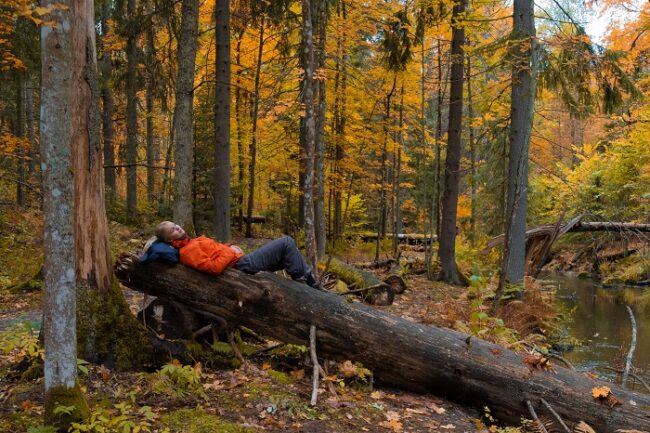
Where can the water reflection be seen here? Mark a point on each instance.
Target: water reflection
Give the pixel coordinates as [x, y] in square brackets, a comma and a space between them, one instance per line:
[599, 319]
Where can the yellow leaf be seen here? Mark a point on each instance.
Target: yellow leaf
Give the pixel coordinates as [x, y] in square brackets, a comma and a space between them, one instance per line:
[600, 392]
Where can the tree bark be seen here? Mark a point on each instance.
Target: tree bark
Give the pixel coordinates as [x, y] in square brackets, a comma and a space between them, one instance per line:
[319, 164]
[308, 150]
[399, 352]
[103, 317]
[521, 123]
[131, 114]
[56, 132]
[183, 115]
[222, 122]
[447, 251]
[68, 49]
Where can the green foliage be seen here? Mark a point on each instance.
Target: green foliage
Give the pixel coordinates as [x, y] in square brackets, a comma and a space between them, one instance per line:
[179, 380]
[481, 324]
[123, 417]
[21, 342]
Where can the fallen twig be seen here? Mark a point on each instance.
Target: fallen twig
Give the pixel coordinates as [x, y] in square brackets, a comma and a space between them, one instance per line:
[561, 358]
[556, 415]
[235, 349]
[314, 360]
[531, 409]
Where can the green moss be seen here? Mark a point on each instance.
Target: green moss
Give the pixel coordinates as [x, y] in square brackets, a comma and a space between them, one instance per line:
[197, 421]
[280, 377]
[107, 332]
[64, 406]
[18, 421]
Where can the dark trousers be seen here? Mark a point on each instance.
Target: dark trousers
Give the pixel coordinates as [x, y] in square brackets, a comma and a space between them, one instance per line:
[281, 253]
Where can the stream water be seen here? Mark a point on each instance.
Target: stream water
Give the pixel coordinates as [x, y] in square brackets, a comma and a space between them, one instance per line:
[597, 318]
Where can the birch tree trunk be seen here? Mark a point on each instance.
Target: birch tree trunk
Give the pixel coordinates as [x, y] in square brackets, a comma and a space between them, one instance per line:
[310, 132]
[183, 115]
[222, 122]
[447, 251]
[131, 114]
[56, 130]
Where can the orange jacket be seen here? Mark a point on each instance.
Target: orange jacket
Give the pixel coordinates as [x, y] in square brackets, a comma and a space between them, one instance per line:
[206, 255]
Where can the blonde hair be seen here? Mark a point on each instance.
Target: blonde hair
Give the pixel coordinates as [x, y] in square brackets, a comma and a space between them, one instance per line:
[161, 233]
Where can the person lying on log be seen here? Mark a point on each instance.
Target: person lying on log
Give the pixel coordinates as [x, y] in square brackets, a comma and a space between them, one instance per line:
[172, 245]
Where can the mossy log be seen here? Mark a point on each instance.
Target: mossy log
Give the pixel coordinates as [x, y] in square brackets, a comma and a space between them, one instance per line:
[364, 283]
[401, 353]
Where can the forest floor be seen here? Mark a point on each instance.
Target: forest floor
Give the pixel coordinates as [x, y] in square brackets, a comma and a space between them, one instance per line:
[271, 392]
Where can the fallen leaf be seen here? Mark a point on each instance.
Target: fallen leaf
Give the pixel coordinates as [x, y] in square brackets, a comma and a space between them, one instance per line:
[298, 374]
[266, 366]
[377, 395]
[600, 393]
[448, 426]
[392, 424]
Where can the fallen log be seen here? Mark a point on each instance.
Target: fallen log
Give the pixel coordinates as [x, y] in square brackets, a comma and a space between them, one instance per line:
[540, 239]
[372, 289]
[401, 353]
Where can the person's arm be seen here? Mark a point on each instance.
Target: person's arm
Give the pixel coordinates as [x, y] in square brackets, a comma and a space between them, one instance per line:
[213, 258]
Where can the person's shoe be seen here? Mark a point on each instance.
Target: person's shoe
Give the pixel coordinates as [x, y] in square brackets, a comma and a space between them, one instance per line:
[311, 281]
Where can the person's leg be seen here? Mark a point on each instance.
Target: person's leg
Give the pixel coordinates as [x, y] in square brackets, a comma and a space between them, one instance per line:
[281, 253]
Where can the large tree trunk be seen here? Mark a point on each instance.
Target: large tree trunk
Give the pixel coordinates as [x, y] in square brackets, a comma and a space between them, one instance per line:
[399, 352]
[60, 369]
[447, 251]
[183, 115]
[131, 113]
[222, 122]
[521, 124]
[103, 317]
